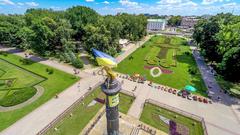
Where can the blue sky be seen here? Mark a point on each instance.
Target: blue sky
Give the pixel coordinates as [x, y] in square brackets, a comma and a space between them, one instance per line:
[161, 7]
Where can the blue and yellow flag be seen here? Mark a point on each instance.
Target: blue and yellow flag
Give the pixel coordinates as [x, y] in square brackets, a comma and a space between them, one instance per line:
[104, 59]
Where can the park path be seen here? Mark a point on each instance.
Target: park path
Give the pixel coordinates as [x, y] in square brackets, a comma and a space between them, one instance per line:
[138, 104]
[46, 113]
[131, 48]
[214, 89]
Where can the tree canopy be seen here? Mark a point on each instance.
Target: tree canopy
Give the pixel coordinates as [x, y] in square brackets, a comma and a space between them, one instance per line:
[219, 40]
[61, 33]
[175, 21]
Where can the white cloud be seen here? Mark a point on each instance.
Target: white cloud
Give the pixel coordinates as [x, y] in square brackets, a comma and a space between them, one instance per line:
[167, 2]
[20, 3]
[32, 4]
[177, 3]
[207, 2]
[233, 4]
[6, 2]
[128, 3]
[106, 2]
[89, 0]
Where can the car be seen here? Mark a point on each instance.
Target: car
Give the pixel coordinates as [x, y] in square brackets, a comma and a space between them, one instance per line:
[184, 95]
[195, 98]
[205, 100]
[179, 93]
[170, 90]
[190, 97]
[174, 92]
[200, 99]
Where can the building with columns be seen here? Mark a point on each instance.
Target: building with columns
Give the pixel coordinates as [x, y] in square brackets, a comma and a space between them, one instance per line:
[156, 24]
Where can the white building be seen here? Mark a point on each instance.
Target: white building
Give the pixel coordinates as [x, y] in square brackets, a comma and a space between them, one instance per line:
[156, 24]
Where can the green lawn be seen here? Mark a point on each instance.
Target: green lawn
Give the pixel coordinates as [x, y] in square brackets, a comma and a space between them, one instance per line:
[82, 114]
[125, 103]
[150, 115]
[54, 83]
[180, 76]
[23, 78]
[21, 87]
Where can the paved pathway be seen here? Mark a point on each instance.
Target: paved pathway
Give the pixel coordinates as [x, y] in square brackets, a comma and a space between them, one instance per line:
[131, 49]
[214, 89]
[137, 106]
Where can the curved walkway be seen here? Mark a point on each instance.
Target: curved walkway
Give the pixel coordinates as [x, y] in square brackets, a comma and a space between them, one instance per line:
[40, 91]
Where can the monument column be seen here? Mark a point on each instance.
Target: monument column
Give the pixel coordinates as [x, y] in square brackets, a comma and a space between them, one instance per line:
[111, 88]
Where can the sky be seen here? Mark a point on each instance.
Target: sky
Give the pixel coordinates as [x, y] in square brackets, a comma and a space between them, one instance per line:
[104, 7]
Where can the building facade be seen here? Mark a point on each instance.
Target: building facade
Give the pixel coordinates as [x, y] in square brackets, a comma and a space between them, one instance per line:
[188, 22]
[156, 24]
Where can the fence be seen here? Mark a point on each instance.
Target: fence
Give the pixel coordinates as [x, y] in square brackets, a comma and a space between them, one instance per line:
[193, 116]
[67, 111]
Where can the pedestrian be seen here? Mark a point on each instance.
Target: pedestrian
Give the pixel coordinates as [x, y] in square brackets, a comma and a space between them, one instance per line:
[56, 96]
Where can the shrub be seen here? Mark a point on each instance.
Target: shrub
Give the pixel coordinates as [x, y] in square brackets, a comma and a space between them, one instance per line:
[187, 53]
[3, 53]
[77, 63]
[67, 58]
[192, 70]
[49, 70]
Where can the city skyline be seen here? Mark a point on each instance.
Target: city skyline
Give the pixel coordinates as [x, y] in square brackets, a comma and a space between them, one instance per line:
[104, 7]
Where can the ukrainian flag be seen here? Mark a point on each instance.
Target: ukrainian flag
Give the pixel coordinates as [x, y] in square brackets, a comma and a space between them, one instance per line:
[104, 59]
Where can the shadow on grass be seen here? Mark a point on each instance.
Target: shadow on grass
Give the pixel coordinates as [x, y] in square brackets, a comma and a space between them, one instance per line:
[183, 58]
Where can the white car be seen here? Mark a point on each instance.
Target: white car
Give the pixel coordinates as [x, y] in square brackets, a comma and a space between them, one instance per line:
[190, 97]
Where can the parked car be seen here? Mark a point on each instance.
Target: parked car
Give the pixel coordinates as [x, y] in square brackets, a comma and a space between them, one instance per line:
[190, 97]
[205, 100]
[200, 99]
[179, 93]
[195, 98]
[174, 92]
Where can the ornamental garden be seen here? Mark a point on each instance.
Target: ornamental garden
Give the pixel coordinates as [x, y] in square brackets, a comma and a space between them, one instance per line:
[172, 56]
[21, 80]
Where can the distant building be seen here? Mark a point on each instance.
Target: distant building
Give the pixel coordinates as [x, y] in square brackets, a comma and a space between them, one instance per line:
[188, 22]
[156, 24]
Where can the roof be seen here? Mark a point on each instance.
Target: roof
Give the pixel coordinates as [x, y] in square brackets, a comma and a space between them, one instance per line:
[156, 20]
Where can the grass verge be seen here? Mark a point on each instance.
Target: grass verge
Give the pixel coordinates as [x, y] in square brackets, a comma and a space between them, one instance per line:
[150, 115]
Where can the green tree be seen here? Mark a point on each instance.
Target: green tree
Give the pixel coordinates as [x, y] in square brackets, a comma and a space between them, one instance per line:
[230, 64]
[175, 21]
[80, 16]
[41, 38]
